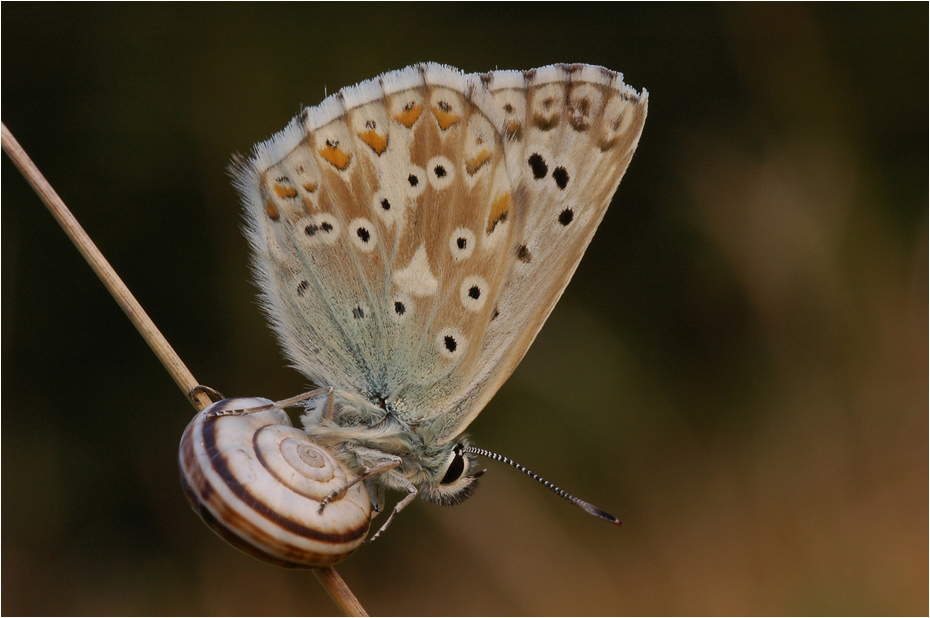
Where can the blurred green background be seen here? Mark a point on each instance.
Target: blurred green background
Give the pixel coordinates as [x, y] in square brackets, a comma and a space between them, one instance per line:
[738, 370]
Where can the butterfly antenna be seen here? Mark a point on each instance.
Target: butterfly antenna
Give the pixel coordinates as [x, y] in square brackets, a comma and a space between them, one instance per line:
[587, 506]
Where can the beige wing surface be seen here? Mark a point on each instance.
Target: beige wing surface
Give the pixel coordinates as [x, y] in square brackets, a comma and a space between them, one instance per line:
[381, 224]
[570, 131]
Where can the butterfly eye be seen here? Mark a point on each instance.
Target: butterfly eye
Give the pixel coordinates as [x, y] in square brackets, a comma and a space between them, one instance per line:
[456, 467]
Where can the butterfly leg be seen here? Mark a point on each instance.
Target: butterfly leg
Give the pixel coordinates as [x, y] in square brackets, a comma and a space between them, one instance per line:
[376, 492]
[212, 393]
[388, 464]
[327, 390]
[412, 493]
[227, 411]
[284, 403]
[330, 405]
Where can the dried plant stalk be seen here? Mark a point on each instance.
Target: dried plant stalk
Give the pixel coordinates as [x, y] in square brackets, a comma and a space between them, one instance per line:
[334, 585]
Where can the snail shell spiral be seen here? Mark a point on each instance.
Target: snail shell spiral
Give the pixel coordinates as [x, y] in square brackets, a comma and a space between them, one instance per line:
[257, 481]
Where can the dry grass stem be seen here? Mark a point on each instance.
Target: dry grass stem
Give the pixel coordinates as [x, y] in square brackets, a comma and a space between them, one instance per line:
[339, 592]
[335, 586]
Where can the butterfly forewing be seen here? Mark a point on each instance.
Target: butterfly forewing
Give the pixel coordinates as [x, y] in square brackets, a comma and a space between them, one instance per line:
[571, 130]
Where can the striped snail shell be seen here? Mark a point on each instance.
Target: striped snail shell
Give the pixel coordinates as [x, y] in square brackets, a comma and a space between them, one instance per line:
[257, 481]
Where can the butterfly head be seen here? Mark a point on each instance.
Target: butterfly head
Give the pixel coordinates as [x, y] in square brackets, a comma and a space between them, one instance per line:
[456, 479]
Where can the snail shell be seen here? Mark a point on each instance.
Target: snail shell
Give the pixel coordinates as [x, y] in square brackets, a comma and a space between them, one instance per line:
[257, 481]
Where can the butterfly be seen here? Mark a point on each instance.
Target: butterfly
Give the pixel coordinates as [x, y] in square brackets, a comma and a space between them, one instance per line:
[412, 233]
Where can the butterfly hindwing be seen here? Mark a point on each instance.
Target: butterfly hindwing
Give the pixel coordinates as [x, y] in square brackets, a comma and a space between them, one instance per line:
[380, 225]
[451, 260]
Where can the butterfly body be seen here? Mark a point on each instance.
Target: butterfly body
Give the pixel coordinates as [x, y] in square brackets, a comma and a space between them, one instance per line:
[411, 235]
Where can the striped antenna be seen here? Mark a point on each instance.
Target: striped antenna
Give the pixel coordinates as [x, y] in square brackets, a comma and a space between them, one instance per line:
[587, 506]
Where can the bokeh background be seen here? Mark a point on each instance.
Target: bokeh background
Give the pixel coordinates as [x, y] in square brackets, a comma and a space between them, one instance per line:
[738, 370]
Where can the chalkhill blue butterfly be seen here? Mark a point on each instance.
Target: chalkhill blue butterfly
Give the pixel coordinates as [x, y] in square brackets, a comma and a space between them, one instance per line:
[411, 235]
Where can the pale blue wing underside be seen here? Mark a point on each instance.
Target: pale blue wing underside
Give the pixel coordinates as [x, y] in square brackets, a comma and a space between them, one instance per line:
[412, 233]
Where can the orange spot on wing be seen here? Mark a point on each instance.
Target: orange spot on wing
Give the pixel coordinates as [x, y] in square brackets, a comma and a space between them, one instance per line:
[309, 187]
[336, 156]
[475, 163]
[282, 191]
[409, 115]
[272, 209]
[446, 119]
[500, 209]
[374, 139]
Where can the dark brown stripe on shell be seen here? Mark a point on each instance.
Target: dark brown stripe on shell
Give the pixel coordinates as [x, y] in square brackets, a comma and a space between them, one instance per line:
[302, 557]
[218, 462]
[308, 559]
